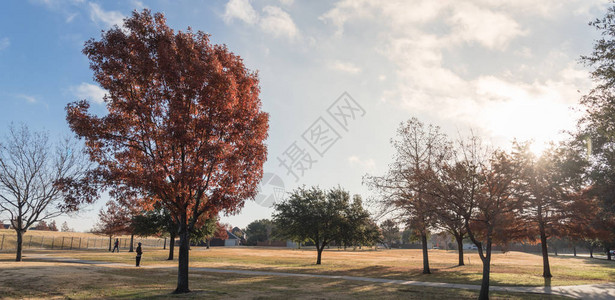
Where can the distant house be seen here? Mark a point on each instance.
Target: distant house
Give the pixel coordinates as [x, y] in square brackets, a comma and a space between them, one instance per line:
[231, 240]
[6, 226]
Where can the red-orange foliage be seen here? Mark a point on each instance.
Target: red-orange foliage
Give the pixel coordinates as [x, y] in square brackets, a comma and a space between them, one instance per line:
[184, 125]
[113, 220]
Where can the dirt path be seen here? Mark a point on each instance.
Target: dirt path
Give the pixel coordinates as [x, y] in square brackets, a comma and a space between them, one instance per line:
[590, 291]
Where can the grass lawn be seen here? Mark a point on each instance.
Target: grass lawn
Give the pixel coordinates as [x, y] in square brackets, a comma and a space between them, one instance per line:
[44, 279]
[50, 280]
[511, 268]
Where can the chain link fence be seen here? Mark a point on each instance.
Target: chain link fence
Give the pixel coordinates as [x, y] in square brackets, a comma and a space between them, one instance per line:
[8, 242]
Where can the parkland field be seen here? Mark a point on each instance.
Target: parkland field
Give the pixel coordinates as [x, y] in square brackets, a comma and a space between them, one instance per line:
[100, 274]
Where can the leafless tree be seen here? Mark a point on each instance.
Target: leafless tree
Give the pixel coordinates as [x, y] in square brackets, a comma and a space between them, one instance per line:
[405, 187]
[37, 178]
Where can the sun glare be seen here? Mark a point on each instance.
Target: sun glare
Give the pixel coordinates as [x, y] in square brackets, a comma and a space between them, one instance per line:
[538, 121]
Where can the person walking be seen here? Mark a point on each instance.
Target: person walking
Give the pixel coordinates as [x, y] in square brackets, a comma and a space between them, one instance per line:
[116, 246]
[139, 252]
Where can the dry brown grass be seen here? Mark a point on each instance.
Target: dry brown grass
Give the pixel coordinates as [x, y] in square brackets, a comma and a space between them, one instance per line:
[51, 280]
[512, 268]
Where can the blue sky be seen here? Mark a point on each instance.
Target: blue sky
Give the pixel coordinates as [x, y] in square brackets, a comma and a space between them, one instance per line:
[504, 69]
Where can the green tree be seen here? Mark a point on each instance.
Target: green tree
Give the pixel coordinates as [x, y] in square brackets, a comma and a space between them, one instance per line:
[314, 215]
[260, 231]
[358, 228]
[390, 232]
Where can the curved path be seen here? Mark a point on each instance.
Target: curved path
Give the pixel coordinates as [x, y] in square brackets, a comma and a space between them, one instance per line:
[589, 291]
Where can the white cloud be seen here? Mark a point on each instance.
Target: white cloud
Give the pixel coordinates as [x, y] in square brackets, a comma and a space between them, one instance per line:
[240, 9]
[88, 91]
[345, 67]
[428, 43]
[278, 23]
[367, 164]
[273, 21]
[71, 17]
[109, 18]
[287, 2]
[28, 98]
[4, 43]
[491, 29]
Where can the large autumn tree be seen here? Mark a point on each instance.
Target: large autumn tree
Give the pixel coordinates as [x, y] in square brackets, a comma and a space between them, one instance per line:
[183, 126]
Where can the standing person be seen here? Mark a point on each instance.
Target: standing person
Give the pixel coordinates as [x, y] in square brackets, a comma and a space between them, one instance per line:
[116, 246]
[139, 252]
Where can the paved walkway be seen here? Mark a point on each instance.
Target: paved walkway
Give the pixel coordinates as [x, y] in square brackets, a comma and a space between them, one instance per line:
[589, 291]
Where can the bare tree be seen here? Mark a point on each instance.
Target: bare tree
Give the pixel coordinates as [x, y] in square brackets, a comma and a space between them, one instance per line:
[37, 179]
[405, 188]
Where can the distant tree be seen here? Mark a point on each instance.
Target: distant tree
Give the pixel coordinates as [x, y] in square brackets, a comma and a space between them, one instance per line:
[358, 228]
[314, 215]
[408, 236]
[390, 232]
[184, 123]
[113, 220]
[405, 188]
[53, 226]
[37, 179]
[148, 223]
[65, 227]
[212, 228]
[260, 231]
[42, 225]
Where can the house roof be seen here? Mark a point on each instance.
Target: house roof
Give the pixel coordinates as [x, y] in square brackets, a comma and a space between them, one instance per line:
[231, 236]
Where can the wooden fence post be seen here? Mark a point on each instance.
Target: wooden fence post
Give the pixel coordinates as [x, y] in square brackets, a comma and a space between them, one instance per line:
[79, 243]
[71, 243]
[53, 239]
[87, 243]
[42, 239]
[30, 243]
[2, 243]
[62, 247]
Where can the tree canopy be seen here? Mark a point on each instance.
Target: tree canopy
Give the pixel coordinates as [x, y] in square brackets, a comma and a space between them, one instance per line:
[183, 127]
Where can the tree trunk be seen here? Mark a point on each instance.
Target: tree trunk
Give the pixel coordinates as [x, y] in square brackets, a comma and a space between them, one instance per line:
[484, 285]
[459, 239]
[19, 244]
[164, 246]
[109, 243]
[182, 271]
[319, 250]
[171, 246]
[132, 239]
[425, 255]
[574, 250]
[591, 252]
[208, 242]
[546, 269]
